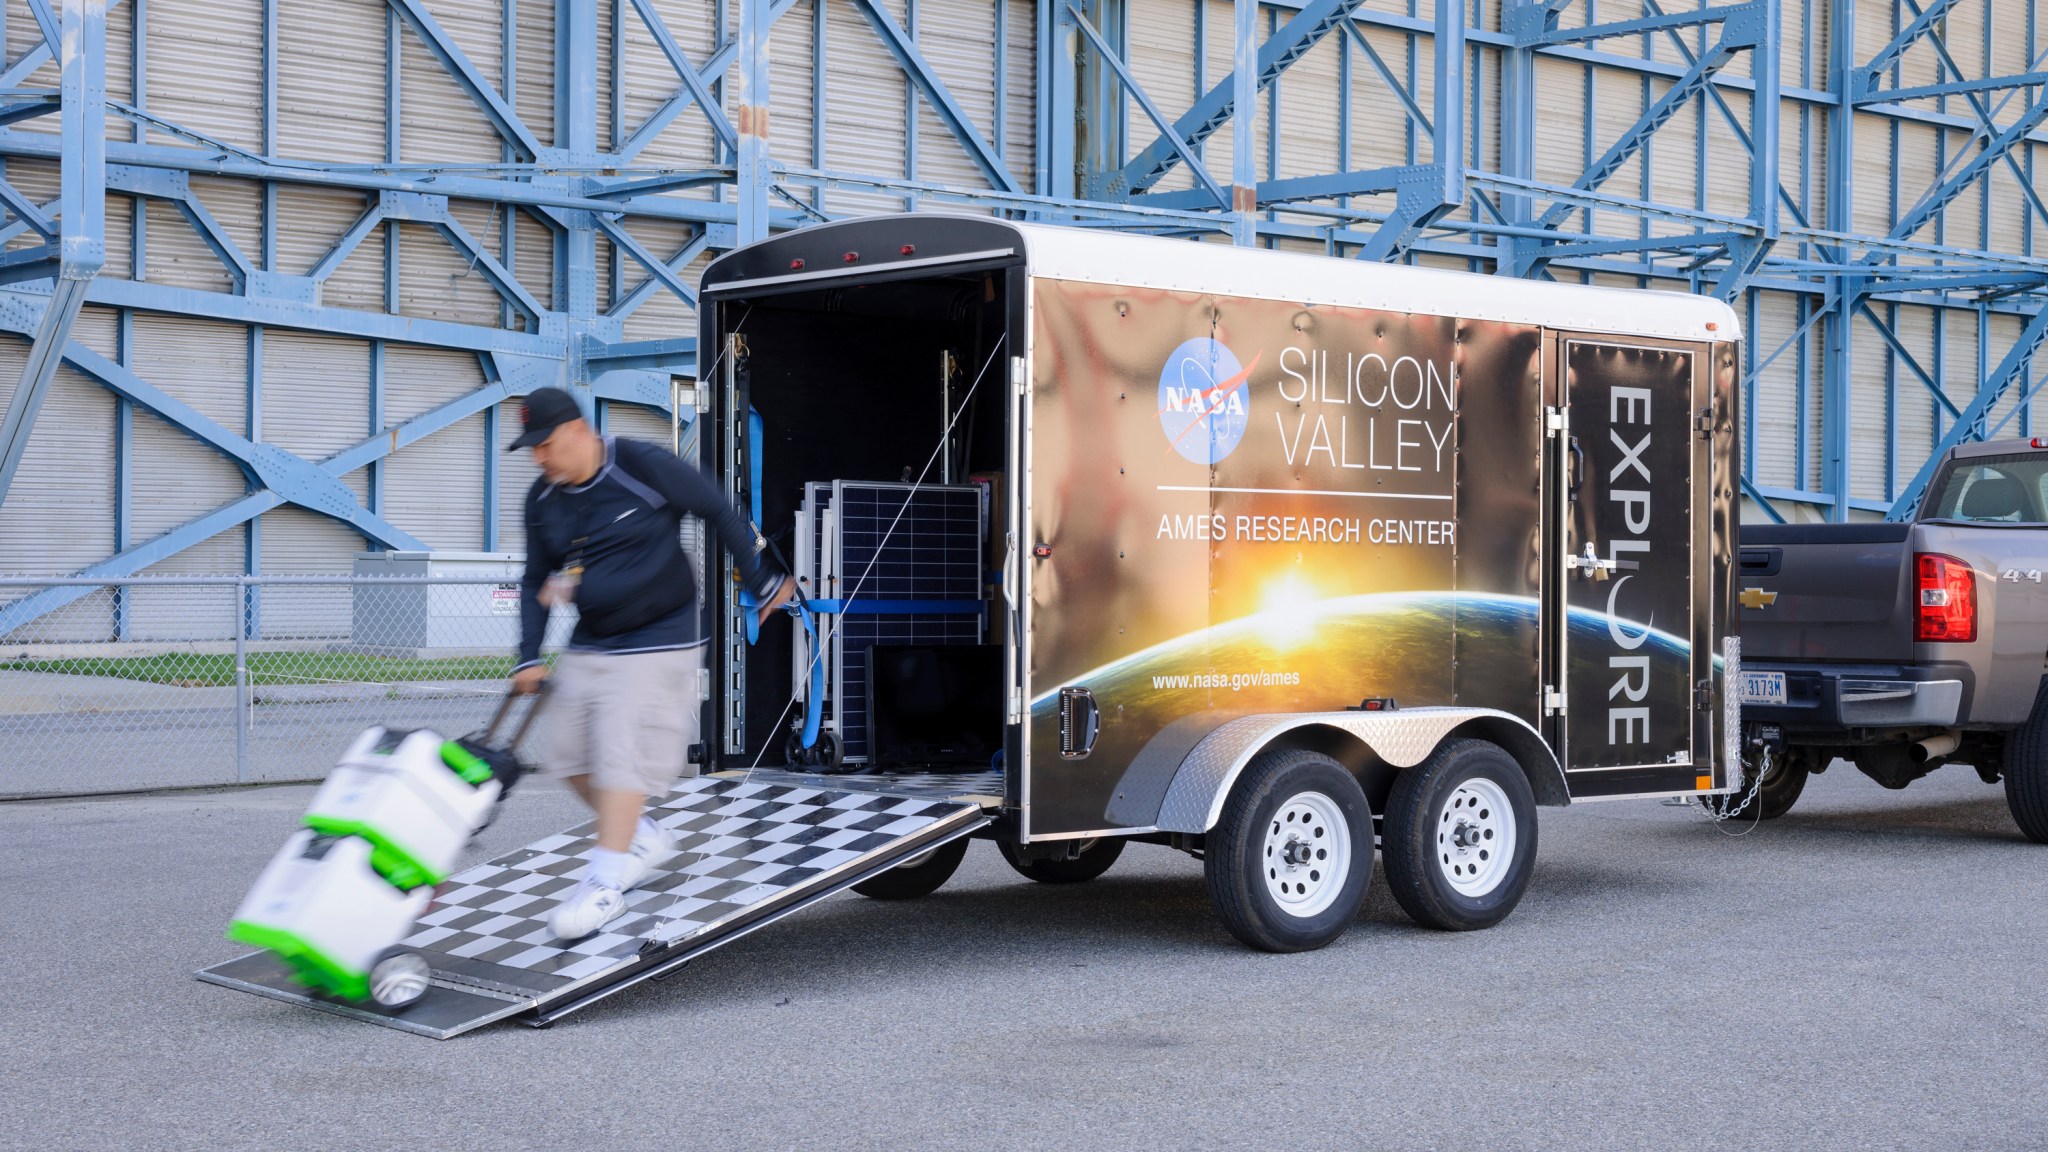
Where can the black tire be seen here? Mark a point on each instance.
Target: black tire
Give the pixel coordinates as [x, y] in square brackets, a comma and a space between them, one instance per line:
[1782, 783]
[1439, 879]
[1288, 801]
[826, 757]
[918, 876]
[2026, 771]
[1095, 858]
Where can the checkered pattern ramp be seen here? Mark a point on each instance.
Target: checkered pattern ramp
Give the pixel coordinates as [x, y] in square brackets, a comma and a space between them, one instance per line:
[742, 844]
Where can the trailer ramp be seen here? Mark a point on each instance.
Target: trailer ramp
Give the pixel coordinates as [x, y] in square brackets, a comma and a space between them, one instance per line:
[752, 848]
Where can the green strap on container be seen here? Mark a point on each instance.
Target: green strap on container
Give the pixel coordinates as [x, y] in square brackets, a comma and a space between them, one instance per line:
[309, 964]
[393, 863]
[464, 763]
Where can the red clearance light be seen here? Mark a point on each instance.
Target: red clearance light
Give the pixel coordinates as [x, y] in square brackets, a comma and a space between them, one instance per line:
[2038, 442]
[907, 249]
[796, 265]
[1945, 609]
[852, 256]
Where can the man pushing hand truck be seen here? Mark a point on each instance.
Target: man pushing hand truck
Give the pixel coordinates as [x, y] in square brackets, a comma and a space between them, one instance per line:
[604, 532]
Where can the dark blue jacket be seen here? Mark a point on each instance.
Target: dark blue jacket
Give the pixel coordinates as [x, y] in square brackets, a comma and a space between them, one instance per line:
[624, 531]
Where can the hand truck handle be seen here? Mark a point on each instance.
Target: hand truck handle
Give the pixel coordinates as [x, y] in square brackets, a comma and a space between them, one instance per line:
[490, 732]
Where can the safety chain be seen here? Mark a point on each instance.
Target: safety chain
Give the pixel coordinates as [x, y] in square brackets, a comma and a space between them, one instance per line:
[1756, 786]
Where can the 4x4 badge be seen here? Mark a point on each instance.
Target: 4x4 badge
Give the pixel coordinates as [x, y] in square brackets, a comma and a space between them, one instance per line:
[1757, 598]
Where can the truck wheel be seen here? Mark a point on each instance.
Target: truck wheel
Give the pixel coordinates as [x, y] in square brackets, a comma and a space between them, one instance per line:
[1095, 858]
[2026, 771]
[1782, 783]
[1459, 838]
[399, 978]
[1289, 862]
[920, 875]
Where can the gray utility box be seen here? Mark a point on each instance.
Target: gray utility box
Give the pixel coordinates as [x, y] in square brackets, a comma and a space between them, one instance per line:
[464, 602]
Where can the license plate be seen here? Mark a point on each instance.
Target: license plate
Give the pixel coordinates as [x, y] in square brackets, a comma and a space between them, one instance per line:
[1763, 687]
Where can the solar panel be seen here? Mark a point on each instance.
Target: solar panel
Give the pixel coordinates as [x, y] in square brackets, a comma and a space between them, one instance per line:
[893, 542]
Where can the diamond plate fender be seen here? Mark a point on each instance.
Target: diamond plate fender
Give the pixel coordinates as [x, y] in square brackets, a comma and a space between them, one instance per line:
[1403, 739]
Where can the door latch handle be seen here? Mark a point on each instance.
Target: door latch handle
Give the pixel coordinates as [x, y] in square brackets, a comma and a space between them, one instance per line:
[1590, 563]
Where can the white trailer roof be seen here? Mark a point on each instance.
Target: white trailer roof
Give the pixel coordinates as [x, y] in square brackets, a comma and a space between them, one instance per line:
[1107, 257]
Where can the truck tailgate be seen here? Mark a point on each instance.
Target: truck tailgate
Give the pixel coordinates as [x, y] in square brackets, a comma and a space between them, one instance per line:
[1825, 592]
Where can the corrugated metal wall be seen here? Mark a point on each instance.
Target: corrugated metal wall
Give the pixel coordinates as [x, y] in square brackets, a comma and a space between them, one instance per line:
[839, 102]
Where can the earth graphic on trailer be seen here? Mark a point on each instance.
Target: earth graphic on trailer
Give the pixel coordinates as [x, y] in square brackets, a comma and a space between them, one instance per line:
[1344, 650]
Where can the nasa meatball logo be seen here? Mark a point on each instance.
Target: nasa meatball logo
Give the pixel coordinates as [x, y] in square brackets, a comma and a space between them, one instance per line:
[1204, 400]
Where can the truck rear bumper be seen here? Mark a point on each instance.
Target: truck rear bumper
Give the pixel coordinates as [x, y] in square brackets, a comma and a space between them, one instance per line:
[1835, 699]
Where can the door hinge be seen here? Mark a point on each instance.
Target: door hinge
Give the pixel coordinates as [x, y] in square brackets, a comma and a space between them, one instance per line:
[1553, 701]
[1703, 696]
[1557, 421]
[1705, 422]
[1018, 379]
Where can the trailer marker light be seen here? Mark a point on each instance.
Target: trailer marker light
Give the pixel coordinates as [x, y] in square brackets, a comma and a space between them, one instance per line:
[1042, 551]
[797, 265]
[1377, 704]
[852, 256]
[2038, 442]
[1946, 610]
[907, 249]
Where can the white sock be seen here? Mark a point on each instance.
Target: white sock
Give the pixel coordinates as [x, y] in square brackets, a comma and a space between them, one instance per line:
[607, 867]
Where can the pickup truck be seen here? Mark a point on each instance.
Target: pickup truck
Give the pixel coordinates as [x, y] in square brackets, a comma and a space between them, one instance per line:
[1903, 647]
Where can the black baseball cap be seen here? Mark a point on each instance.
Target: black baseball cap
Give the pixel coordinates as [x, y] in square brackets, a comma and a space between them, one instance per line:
[544, 410]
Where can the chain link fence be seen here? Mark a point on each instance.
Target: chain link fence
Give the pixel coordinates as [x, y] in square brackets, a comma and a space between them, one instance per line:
[178, 681]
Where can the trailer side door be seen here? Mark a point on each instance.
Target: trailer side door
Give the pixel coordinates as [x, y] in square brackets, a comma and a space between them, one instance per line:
[1632, 590]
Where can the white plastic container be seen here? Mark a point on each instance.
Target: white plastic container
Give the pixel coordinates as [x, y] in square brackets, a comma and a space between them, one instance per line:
[396, 792]
[327, 912]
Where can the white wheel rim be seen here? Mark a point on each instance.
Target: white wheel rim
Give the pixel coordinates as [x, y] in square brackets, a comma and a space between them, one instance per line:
[1307, 854]
[400, 980]
[1475, 837]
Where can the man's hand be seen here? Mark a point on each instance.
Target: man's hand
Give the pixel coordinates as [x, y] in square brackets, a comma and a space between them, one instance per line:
[527, 681]
[783, 595]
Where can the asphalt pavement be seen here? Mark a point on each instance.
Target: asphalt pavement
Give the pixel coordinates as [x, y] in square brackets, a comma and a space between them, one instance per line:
[1870, 971]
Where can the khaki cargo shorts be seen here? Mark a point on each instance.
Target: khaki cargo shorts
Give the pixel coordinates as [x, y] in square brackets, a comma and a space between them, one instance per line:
[627, 721]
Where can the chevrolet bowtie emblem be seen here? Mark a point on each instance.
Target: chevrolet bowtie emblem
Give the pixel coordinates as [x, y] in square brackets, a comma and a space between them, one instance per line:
[1757, 598]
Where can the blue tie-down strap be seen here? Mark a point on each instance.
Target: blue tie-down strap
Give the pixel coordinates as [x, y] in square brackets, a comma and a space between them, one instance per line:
[898, 607]
[814, 700]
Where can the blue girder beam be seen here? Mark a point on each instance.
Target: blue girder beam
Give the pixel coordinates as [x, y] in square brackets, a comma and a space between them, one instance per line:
[1303, 31]
[1991, 153]
[1742, 26]
[1864, 76]
[1215, 195]
[693, 83]
[503, 117]
[921, 74]
[81, 37]
[1971, 423]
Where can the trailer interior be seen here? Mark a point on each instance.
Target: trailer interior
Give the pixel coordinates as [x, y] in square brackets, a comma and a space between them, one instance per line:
[865, 425]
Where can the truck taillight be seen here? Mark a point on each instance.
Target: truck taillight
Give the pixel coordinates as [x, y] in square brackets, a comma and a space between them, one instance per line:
[1947, 604]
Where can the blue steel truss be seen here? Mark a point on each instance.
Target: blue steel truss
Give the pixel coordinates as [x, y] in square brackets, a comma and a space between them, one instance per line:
[1096, 164]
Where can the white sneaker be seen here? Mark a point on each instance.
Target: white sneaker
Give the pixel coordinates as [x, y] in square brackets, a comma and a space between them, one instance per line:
[649, 850]
[588, 907]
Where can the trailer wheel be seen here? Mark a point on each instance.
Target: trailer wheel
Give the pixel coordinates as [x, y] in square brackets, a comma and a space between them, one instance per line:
[2026, 771]
[1095, 858]
[1459, 837]
[918, 876]
[1784, 778]
[399, 978]
[1289, 862]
